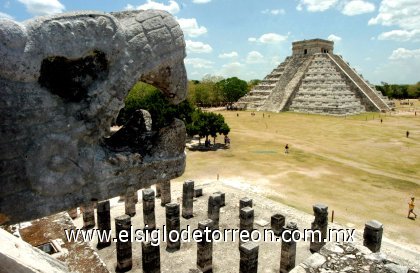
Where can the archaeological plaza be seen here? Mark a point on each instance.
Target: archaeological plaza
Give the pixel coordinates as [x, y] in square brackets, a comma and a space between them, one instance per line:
[77, 197]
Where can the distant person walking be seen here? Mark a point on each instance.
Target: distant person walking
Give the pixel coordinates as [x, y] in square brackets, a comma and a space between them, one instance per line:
[381, 120]
[286, 149]
[411, 206]
[407, 134]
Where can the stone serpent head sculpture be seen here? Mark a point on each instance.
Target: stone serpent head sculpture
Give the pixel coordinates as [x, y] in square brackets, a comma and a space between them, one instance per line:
[63, 80]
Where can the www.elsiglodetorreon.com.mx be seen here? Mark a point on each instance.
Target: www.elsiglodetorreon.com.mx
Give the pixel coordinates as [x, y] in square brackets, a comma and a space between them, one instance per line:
[156, 236]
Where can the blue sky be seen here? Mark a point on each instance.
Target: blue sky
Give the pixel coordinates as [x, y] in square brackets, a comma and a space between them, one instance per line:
[249, 38]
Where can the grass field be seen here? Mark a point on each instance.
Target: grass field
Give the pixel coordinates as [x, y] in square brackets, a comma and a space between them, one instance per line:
[361, 168]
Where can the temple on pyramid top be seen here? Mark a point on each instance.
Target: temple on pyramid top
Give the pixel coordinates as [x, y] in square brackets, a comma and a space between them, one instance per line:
[315, 80]
[309, 47]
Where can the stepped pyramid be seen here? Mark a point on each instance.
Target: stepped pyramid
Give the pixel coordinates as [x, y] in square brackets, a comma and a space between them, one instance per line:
[314, 80]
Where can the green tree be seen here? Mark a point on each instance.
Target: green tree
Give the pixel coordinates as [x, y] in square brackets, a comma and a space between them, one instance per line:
[252, 84]
[232, 89]
[144, 96]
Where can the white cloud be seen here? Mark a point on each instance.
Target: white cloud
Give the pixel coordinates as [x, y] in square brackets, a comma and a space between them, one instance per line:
[198, 47]
[334, 38]
[199, 63]
[400, 35]
[254, 57]
[5, 16]
[316, 5]
[232, 54]
[356, 7]
[191, 27]
[274, 11]
[129, 7]
[201, 1]
[402, 53]
[172, 7]
[275, 60]
[403, 13]
[269, 38]
[232, 69]
[43, 7]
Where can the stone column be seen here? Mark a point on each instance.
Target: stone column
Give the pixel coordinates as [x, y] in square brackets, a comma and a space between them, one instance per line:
[130, 205]
[372, 235]
[158, 185]
[277, 223]
[320, 223]
[222, 198]
[187, 199]
[172, 224]
[246, 222]
[288, 249]
[72, 213]
[103, 215]
[198, 192]
[213, 211]
[149, 217]
[150, 257]
[244, 202]
[248, 258]
[165, 191]
[88, 216]
[205, 248]
[124, 251]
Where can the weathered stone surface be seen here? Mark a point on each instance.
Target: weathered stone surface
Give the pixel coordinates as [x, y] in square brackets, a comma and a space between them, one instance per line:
[103, 213]
[165, 191]
[88, 212]
[348, 257]
[319, 224]
[63, 79]
[222, 198]
[73, 213]
[130, 201]
[187, 199]
[244, 202]
[372, 235]
[248, 258]
[124, 246]
[246, 221]
[213, 210]
[277, 223]
[149, 216]
[288, 250]
[198, 192]
[173, 227]
[150, 256]
[205, 248]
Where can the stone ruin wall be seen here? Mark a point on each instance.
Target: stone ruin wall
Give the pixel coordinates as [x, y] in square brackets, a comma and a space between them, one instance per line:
[63, 80]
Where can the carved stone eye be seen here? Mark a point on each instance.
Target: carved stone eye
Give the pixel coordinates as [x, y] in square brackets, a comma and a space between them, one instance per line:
[71, 79]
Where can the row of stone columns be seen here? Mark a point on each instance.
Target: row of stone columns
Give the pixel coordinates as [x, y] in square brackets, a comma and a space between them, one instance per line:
[248, 251]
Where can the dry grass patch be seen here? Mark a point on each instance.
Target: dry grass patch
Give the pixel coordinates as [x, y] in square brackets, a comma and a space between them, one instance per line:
[362, 168]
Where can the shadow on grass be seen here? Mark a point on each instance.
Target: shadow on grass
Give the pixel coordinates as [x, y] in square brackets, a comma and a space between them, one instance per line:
[203, 148]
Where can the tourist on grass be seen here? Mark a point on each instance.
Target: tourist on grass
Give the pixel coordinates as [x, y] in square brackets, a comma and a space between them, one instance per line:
[286, 149]
[411, 208]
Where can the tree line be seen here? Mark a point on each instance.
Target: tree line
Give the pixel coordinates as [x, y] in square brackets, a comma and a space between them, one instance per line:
[400, 91]
[213, 91]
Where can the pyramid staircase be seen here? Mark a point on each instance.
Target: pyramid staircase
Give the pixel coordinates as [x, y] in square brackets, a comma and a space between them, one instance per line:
[380, 103]
[314, 80]
[259, 94]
